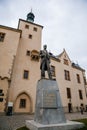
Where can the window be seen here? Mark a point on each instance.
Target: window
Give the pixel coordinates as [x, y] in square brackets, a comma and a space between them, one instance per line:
[2, 36]
[81, 104]
[80, 94]
[53, 70]
[34, 55]
[66, 62]
[30, 36]
[1, 92]
[84, 78]
[67, 75]
[28, 53]
[78, 78]
[68, 92]
[22, 103]
[35, 29]
[27, 26]
[26, 73]
[1, 99]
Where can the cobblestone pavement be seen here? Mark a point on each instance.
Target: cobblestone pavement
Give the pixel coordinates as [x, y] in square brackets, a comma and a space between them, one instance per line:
[74, 116]
[16, 121]
[13, 122]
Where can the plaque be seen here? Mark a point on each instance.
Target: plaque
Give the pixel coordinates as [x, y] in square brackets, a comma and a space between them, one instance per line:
[49, 99]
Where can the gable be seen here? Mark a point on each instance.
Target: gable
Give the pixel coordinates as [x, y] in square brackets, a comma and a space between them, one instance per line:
[64, 58]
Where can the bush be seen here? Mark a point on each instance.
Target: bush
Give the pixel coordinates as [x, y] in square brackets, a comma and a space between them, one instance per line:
[83, 121]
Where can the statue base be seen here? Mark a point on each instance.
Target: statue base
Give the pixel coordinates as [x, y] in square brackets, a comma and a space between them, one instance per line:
[49, 114]
[48, 108]
[69, 125]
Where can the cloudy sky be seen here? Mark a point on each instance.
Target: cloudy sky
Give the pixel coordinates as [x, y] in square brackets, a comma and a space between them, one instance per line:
[64, 21]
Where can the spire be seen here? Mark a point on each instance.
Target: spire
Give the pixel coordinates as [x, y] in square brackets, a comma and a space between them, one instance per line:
[30, 16]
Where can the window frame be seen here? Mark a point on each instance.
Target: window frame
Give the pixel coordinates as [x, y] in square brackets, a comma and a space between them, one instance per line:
[26, 26]
[67, 75]
[80, 95]
[53, 71]
[22, 103]
[84, 78]
[1, 99]
[78, 78]
[28, 53]
[30, 36]
[68, 93]
[26, 74]
[1, 90]
[35, 29]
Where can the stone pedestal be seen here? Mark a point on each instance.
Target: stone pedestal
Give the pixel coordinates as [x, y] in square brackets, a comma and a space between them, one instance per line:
[48, 109]
[69, 125]
[49, 114]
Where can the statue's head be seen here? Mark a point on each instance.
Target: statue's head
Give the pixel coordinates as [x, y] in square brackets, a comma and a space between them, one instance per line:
[45, 47]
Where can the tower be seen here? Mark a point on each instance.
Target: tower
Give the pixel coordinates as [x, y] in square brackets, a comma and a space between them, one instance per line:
[24, 77]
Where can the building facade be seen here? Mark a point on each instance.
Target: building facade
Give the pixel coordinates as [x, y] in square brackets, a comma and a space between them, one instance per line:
[20, 70]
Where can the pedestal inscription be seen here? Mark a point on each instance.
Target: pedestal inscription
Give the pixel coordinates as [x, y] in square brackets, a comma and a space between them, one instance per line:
[49, 99]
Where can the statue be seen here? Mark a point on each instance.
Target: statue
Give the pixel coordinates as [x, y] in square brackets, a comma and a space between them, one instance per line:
[45, 62]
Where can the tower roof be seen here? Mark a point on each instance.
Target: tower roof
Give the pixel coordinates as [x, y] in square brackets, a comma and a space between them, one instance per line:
[30, 17]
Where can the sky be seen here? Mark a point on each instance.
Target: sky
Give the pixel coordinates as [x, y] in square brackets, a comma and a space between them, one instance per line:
[64, 21]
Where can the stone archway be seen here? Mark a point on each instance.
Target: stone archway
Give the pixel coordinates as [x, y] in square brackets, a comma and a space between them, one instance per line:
[23, 103]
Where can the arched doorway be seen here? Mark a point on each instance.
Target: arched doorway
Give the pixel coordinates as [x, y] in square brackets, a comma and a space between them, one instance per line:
[23, 103]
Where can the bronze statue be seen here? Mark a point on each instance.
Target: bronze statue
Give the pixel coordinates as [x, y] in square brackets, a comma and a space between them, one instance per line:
[45, 62]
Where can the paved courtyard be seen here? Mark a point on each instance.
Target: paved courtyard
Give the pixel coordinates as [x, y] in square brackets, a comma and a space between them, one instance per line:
[15, 121]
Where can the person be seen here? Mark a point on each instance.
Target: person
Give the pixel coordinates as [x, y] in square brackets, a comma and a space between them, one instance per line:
[45, 62]
[86, 108]
[82, 108]
[70, 107]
